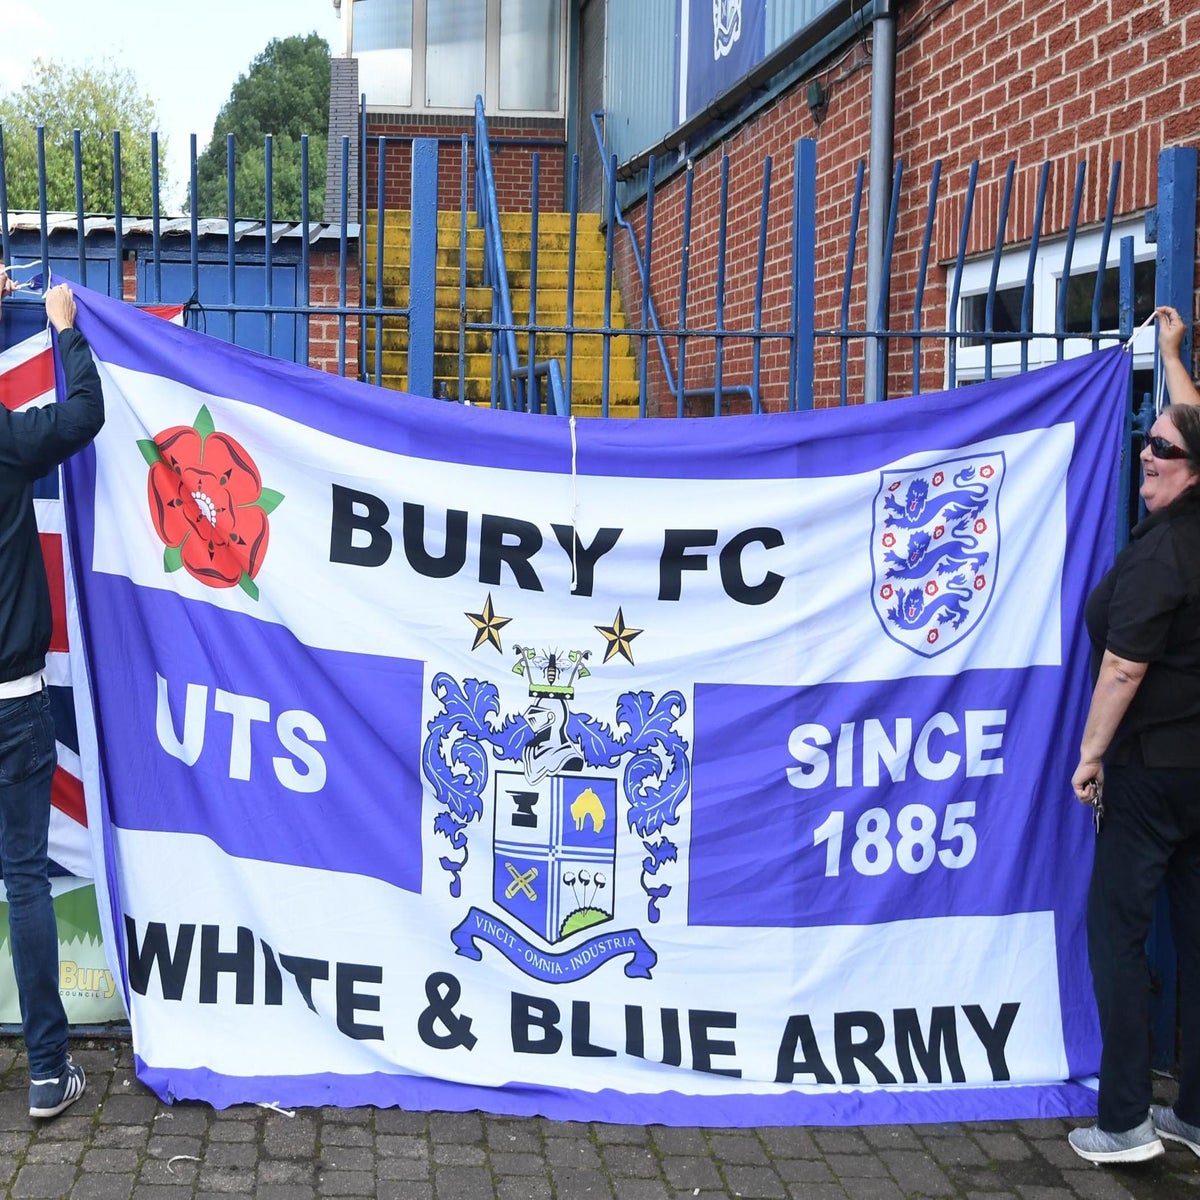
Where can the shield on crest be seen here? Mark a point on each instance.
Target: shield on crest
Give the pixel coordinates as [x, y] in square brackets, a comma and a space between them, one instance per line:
[555, 851]
[935, 547]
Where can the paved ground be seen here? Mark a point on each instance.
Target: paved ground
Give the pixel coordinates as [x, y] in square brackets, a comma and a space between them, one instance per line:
[120, 1143]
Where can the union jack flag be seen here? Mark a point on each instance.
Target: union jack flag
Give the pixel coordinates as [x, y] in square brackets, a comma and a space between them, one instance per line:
[26, 380]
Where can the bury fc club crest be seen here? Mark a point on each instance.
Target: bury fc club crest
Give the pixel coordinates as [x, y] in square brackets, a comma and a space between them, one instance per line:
[563, 787]
[727, 26]
[555, 839]
[935, 549]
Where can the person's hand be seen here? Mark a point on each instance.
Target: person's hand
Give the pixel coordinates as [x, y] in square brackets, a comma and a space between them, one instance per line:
[1089, 771]
[6, 283]
[60, 307]
[1170, 330]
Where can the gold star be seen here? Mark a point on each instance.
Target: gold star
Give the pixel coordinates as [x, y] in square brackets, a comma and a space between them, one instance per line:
[618, 635]
[487, 625]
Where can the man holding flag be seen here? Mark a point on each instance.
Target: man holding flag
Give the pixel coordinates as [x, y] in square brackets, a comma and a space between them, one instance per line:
[32, 443]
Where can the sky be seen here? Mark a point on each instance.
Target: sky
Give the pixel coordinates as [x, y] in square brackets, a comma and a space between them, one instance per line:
[185, 59]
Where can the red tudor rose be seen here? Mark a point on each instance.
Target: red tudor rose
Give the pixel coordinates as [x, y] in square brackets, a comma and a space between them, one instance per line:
[208, 504]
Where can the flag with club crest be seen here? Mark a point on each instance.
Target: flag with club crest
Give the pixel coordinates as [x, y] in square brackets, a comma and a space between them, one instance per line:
[695, 772]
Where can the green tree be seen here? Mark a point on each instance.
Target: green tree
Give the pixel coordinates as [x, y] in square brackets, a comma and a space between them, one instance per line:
[96, 100]
[285, 94]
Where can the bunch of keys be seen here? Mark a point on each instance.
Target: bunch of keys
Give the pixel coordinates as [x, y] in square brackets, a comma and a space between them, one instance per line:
[1097, 803]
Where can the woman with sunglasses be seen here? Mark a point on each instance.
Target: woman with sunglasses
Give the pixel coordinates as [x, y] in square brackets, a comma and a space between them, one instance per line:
[1139, 766]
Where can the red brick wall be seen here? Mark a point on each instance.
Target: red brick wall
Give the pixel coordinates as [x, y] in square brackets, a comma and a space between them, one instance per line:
[323, 292]
[512, 161]
[1025, 81]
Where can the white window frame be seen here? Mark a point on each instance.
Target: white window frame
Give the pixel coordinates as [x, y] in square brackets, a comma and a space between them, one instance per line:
[378, 68]
[1047, 273]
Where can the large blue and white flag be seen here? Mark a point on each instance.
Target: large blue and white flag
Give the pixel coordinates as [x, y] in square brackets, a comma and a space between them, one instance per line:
[686, 772]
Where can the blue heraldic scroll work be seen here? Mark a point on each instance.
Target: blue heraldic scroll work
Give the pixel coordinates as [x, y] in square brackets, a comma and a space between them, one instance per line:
[556, 814]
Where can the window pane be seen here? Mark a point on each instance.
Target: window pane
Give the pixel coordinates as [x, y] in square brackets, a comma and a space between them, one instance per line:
[382, 41]
[1081, 293]
[1006, 316]
[529, 48]
[455, 54]
[382, 25]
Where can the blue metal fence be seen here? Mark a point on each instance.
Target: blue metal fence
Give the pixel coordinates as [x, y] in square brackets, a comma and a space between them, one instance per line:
[225, 267]
[712, 356]
[708, 360]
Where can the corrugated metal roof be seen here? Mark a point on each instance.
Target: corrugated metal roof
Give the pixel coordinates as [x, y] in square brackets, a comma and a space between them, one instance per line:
[179, 227]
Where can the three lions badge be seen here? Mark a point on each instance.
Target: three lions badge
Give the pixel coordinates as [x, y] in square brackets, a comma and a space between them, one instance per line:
[935, 549]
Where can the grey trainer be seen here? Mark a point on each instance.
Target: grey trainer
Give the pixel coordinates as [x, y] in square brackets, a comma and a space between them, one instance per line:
[48, 1097]
[1168, 1125]
[1134, 1145]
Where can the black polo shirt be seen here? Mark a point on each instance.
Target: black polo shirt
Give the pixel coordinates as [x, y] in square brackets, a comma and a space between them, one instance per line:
[1147, 610]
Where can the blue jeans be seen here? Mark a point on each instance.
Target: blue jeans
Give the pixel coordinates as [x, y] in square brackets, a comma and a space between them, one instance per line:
[27, 762]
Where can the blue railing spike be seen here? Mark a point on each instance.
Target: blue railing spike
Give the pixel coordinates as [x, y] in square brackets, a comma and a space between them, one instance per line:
[848, 281]
[305, 280]
[719, 298]
[464, 159]
[802, 359]
[922, 270]
[960, 258]
[80, 247]
[759, 275]
[231, 220]
[118, 284]
[1060, 309]
[531, 384]
[1031, 266]
[488, 211]
[1105, 238]
[380, 237]
[685, 258]
[606, 345]
[42, 202]
[344, 254]
[269, 240]
[647, 275]
[155, 218]
[997, 255]
[573, 208]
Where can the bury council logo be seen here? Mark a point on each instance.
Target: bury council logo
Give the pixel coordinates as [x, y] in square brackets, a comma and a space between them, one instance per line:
[524, 773]
[935, 550]
[208, 504]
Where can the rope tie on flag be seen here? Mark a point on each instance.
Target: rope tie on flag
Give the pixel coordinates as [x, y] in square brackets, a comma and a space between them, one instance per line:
[30, 283]
[8, 271]
[1127, 345]
[574, 504]
[1160, 382]
[274, 1106]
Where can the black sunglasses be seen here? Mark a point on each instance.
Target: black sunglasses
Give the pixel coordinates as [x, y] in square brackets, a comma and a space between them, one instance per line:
[1161, 448]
